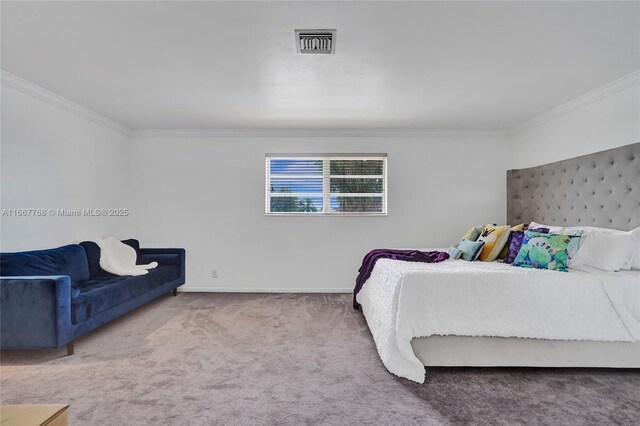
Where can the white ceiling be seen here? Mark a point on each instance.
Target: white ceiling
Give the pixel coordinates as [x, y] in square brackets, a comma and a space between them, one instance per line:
[397, 64]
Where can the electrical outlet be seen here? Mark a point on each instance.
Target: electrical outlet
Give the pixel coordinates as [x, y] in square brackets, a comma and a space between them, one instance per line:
[214, 273]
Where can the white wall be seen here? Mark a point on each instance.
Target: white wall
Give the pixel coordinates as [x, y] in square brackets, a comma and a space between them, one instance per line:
[207, 194]
[603, 123]
[52, 158]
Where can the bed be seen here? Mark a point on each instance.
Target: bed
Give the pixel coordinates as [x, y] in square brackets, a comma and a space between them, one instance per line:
[459, 313]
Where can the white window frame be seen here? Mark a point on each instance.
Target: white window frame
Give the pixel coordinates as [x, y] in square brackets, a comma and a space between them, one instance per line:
[326, 187]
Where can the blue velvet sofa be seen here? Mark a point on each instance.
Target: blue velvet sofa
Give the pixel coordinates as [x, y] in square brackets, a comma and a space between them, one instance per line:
[48, 298]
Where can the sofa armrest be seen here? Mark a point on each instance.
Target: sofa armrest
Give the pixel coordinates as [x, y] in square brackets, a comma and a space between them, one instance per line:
[165, 256]
[35, 312]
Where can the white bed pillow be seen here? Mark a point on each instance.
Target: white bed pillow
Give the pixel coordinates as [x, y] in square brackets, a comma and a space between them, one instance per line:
[568, 230]
[636, 250]
[565, 230]
[607, 251]
[632, 263]
[635, 261]
[602, 230]
[552, 228]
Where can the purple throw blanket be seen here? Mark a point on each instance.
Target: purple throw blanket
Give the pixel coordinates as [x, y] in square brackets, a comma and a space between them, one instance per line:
[373, 256]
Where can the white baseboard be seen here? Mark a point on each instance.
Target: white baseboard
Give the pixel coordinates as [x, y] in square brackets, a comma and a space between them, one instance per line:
[193, 289]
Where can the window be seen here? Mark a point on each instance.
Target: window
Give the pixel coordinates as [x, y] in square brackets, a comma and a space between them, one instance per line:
[326, 184]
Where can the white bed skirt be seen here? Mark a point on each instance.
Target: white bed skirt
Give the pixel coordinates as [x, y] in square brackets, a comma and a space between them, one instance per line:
[461, 351]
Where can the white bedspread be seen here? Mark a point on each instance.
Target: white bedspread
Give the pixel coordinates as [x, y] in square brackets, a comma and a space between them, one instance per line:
[405, 300]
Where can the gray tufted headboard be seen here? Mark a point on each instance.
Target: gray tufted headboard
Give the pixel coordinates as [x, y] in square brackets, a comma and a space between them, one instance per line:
[601, 189]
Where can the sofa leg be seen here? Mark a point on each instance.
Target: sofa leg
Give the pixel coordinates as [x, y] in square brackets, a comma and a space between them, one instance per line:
[175, 291]
[70, 346]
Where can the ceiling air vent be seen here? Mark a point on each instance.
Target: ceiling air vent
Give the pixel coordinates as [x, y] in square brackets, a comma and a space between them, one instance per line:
[317, 42]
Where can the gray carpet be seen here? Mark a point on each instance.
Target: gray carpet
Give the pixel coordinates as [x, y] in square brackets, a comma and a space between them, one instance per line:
[290, 359]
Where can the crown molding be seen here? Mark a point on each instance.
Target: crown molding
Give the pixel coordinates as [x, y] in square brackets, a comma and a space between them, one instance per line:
[288, 132]
[63, 103]
[579, 102]
[70, 106]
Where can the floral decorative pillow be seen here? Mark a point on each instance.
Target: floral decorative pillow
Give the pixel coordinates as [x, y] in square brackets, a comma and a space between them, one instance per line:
[543, 251]
[514, 243]
[575, 232]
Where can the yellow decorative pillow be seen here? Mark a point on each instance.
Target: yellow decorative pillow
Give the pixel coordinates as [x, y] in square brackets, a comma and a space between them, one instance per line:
[520, 227]
[505, 249]
[495, 238]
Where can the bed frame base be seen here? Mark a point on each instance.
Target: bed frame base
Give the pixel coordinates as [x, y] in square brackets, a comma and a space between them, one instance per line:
[461, 351]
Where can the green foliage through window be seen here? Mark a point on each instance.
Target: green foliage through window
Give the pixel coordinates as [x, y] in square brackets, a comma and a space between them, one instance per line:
[327, 185]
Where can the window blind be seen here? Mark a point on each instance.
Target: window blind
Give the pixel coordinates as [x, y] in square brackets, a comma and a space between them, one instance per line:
[326, 184]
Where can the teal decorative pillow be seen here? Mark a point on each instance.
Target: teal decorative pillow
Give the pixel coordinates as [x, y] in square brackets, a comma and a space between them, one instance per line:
[470, 250]
[543, 251]
[454, 253]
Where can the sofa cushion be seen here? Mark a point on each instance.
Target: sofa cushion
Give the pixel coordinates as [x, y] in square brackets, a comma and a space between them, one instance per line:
[93, 259]
[93, 256]
[68, 260]
[101, 293]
